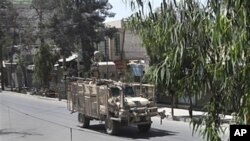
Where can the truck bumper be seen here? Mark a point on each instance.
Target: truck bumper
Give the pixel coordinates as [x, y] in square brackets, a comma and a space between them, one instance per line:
[138, 116]
[144, 111]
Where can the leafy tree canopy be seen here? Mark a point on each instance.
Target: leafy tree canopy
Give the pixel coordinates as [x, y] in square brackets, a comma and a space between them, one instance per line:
[79, 24]
[44, 63]
[200, 49]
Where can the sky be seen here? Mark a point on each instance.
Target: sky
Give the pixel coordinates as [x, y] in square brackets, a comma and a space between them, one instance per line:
[123, 10]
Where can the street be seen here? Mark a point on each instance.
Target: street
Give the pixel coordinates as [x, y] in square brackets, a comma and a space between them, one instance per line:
[33, 118]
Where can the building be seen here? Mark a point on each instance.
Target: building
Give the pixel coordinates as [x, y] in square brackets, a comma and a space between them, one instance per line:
[123, 48]
[124, 45]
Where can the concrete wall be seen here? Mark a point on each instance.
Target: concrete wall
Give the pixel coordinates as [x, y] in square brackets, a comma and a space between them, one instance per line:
[132, 49]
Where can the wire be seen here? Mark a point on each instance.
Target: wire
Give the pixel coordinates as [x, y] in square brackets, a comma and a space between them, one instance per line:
[51, 122]
[29, 115]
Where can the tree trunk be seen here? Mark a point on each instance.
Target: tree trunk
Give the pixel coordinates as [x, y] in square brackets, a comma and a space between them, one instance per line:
[190, 104]
[64, 73]
[1, 66]
[41, 27]
[173, 104]
[87, 53]
[24, 75]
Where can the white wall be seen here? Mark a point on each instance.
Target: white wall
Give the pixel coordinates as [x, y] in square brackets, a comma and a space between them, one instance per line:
[133, 49]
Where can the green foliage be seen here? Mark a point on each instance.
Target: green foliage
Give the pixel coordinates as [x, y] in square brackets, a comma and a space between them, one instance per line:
[42, 5]
[43, 9]
[128, 77]
[80, 24]
[44, 62]
[200, 49]
[16, 27]
[6, 10]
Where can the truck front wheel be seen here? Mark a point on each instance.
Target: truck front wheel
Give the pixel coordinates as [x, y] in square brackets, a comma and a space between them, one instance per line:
[84, 120]
[111, 126]
[144, 128]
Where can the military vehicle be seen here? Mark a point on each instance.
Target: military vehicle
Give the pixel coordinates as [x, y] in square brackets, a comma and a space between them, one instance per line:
[114, 102]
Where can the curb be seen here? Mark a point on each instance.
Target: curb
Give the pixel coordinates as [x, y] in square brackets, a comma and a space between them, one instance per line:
[37, 96]
[49, 98]
[188, 119]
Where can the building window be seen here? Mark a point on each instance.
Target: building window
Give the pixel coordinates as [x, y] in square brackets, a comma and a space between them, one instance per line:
[103, 47]
[117, 45]
[107, 49]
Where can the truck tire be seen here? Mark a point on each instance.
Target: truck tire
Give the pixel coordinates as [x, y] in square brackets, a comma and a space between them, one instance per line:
[84, 120]
[144, 128]
[111, 126]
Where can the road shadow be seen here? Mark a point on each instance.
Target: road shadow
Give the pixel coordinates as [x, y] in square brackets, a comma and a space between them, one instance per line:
[23, 134]
[133, 133]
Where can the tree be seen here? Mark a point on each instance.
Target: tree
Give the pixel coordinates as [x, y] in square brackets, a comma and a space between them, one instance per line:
[78, 24]
[200, 49]
[42, 9]
[5, 8]
[44, 58]
[44, 62]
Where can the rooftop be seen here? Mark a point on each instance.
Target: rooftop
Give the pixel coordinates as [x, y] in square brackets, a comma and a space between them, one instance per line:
[116, 24]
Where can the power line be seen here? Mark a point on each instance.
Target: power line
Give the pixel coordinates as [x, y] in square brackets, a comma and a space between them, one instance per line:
[48, 121]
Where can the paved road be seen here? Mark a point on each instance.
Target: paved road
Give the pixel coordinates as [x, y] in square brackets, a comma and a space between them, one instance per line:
[32, 118]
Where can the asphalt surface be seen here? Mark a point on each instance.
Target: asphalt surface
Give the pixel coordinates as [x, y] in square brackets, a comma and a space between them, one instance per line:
[33, 118]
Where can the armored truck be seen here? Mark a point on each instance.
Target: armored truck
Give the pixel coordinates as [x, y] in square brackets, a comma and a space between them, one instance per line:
[114, 102]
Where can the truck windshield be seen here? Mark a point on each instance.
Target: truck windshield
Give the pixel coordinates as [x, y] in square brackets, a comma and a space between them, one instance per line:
[128, 91]
[115, 91]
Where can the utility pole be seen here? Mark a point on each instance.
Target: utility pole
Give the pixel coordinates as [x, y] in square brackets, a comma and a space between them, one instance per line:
[106, 54]
[140, 68]
[122, 48]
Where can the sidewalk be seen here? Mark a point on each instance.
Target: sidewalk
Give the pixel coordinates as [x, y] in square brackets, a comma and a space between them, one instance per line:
[183, 114]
